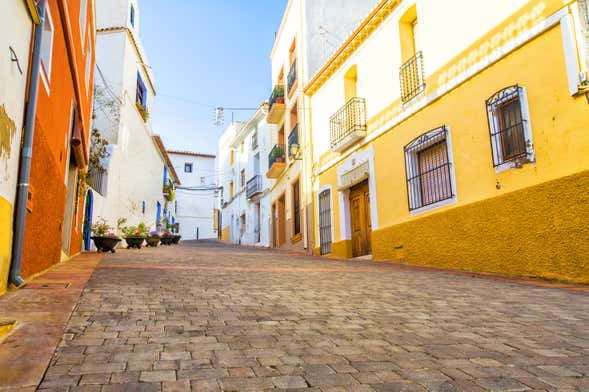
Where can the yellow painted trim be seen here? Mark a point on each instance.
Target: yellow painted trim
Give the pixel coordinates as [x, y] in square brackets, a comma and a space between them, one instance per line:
[6, 327]
[33, 11]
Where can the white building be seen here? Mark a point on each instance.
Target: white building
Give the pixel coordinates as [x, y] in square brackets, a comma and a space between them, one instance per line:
[242, 163]
[197, 197]
[309, 33]
[136, 170]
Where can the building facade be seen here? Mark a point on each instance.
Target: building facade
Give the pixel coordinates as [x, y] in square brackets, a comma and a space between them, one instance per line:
[462, 147]
[53, 225]
[243, 156]
[134, 185]
[309, 32]
[19, 19]
[197, 196]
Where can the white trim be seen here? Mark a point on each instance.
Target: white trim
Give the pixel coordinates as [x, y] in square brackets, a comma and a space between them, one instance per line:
[484, 63]
[45, 69]
[82, 28]
[570, 53]
[355, 159]
[324, 188]
[453, 188]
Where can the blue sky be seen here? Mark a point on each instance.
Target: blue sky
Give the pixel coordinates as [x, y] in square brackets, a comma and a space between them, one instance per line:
[215, 53]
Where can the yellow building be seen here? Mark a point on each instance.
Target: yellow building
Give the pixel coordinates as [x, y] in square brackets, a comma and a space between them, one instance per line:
[454, 134]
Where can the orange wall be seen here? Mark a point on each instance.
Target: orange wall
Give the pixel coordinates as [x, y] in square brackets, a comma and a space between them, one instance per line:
[67, 86]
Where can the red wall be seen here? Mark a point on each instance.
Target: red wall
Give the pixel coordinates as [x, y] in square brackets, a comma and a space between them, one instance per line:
[67, 86]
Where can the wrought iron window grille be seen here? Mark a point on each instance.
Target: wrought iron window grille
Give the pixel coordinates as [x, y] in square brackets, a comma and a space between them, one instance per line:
[411, 75]
[347, 120]
[429, 169]
[325, 239]
[508, 127]
[292, 75]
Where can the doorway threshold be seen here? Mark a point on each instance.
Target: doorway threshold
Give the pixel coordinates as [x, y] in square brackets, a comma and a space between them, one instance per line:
[361, 258]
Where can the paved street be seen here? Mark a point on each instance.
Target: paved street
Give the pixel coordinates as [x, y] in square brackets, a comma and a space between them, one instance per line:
[210, 317]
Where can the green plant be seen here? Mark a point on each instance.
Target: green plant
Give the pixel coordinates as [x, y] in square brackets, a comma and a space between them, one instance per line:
[143, 111]
[102, 229]
[98, 152]
[141, 230]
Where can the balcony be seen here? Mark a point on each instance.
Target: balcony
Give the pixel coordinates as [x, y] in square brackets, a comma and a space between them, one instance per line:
[254, 186]
[292, 77]
[293, 138]
[276, 105]
[348, 125]
[412, 78]
[276, 161]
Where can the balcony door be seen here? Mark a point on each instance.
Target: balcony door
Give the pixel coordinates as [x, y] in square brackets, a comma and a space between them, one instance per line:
[360, 220]
[257, 164]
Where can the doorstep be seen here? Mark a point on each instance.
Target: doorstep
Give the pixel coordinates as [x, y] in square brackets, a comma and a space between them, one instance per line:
[41, 309]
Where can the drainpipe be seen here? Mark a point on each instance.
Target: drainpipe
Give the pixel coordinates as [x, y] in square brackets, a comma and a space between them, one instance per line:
[26, 155]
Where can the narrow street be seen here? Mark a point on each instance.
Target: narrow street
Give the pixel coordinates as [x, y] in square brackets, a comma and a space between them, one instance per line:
[204, 316]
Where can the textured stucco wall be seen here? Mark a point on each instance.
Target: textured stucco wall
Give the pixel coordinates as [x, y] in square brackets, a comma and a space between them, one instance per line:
[5, 242]
[539, 231]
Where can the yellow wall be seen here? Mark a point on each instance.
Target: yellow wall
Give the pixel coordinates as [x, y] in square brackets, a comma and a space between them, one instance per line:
[226, 233]
[5, 242]
[520, 221]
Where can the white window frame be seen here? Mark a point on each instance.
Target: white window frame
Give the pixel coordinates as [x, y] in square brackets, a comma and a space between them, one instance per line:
[324, 188]
[46, 67]
[493, 117]
[416, 184]
[83, 19]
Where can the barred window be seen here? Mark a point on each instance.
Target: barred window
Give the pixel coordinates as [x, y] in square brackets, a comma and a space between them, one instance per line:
[325, 221]
[429, 169]
[511, 141]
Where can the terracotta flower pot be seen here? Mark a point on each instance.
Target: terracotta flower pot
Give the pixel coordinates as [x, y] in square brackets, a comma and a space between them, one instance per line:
[134, 242]
[106, 244]
[176, 239]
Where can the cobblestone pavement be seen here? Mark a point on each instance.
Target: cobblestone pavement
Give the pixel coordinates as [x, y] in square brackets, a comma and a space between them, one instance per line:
[210, 317]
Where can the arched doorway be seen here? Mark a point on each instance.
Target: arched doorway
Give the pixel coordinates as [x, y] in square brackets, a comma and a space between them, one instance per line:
[87, 233]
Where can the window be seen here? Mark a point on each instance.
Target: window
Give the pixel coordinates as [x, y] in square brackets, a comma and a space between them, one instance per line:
[511, 137]
[202, 181]
[429, 169]
[231, 190]
[325, 221]
[296, 209]
[188, 167]
[411, 73]
[242, 225]
[143, 207]
[141, 94]
[255, 139]
[231, 157]
[242, 178]
[83, 14]
[292, 51]
[47, 44]
[88, 58]
[132, 16]
[176, 207]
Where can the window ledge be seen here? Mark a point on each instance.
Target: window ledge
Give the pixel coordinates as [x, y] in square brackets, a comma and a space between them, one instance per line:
[434, 206]
[511, 165]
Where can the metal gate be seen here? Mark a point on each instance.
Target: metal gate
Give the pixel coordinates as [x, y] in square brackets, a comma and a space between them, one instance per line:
[325, 221]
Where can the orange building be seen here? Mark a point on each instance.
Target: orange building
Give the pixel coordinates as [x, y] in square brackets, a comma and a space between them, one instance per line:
[53, 226]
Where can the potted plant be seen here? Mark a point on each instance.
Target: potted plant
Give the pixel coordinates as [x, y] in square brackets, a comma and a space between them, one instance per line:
[167, 238]
[104, 237]
[153, 239]
[176, 238]
[135, 235]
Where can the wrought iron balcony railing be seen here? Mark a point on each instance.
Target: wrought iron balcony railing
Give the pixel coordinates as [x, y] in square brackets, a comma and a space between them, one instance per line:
[348, 123]
[292, 75]
[412, 77]
[293, 137]
[277, 155]
[277, 96]
[254, 186]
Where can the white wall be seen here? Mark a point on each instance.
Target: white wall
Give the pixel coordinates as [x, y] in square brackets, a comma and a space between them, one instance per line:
[16, 32]
[240, 204]
[135, 168]
[195, 207]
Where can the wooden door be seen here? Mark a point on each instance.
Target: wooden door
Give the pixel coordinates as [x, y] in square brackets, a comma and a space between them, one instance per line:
[274, 227]
[281, 221]
[360, 220]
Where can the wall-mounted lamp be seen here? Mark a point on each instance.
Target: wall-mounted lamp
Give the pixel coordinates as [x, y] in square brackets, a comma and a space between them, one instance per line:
[294, 152]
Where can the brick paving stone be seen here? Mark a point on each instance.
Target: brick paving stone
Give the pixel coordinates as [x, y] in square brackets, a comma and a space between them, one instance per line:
[212, 317]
